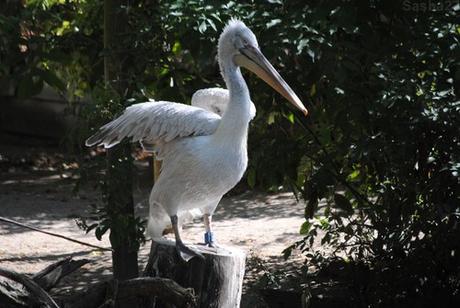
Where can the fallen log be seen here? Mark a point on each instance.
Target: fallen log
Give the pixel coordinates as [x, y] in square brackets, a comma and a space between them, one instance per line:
[20, 291]
[217, 279]
[52, 274]
[91, 297]
[105, 293]
[166, 289]
[37, 296]
[13, 293]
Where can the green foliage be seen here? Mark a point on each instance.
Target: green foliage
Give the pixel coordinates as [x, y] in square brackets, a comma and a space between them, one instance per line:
[100, 222]
[52, 42]
[384, 133]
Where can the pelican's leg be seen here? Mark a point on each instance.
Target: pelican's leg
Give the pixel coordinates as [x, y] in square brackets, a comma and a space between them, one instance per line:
[185, 252]
[208, 236]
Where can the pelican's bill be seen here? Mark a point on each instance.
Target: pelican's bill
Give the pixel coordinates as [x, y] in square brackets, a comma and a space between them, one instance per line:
[253, 59]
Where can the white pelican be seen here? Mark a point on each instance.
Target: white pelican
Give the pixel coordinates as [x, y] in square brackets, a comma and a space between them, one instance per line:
[204, 155]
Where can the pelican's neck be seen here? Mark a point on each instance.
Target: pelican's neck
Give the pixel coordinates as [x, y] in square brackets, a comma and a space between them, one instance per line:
[233, 127]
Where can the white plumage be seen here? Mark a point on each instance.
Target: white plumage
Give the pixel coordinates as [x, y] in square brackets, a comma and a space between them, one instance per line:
[204, 155]
[156, 122]
[216, 100]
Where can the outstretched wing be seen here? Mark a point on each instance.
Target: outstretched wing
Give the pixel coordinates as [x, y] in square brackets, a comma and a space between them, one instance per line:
[153, 122]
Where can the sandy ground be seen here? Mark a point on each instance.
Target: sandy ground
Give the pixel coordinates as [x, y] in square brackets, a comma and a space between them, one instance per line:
[262, 225]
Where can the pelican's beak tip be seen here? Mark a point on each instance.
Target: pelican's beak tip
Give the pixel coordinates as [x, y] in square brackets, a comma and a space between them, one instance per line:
[298, 103]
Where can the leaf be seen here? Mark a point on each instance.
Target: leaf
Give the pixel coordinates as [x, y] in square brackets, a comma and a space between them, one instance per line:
[271, 118]
[272, 23]
[89, 228]
[326, 238]
[290, 117]
[354, 175]
[301, 45]
[100, 231]
[287, 252]
[343, 203]
[177, 48]
[305, 228]
[202, 28]
[313, 90]
[212, 24]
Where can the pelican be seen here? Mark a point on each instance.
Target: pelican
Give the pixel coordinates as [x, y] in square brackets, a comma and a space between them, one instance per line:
[204, 154]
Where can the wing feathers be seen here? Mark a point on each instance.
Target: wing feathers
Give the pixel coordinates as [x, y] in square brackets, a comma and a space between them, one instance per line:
[156, 122]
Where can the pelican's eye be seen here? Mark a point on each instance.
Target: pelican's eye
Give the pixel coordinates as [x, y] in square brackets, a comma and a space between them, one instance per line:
[245, 42]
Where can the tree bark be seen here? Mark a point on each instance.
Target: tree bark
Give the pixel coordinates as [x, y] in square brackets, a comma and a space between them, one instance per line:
[120, 206]
[217, 280]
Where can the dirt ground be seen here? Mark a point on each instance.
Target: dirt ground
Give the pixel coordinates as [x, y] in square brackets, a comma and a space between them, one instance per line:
[41, 195]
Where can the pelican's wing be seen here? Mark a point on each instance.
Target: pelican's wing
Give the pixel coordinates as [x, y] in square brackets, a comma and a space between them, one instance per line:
[215, 100]
[154, 122]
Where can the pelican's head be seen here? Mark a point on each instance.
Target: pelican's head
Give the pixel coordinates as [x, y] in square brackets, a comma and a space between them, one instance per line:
[238, 46]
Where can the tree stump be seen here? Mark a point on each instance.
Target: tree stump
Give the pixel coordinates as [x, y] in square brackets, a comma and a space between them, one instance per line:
[217, 280]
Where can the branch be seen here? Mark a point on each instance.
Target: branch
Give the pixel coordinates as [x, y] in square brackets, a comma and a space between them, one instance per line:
[32, 286]
[166, 289]
[53, 234]
[98, 295]
[50, 276]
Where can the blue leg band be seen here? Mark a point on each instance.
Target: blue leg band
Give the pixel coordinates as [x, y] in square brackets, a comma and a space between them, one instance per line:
[208, 238]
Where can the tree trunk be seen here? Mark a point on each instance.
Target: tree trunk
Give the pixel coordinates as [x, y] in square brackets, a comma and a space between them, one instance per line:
[217, 280]
[120, 207]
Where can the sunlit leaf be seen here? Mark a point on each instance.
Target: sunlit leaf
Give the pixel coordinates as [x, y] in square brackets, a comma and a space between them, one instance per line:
[273, 23]
[313, 90]
[305, 228]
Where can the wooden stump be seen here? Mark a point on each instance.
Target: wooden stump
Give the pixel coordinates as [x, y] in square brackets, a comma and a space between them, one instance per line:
[217, 280]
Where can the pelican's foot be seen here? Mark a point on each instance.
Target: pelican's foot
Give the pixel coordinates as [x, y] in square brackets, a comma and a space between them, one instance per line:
[187, 253]
[209, 240]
